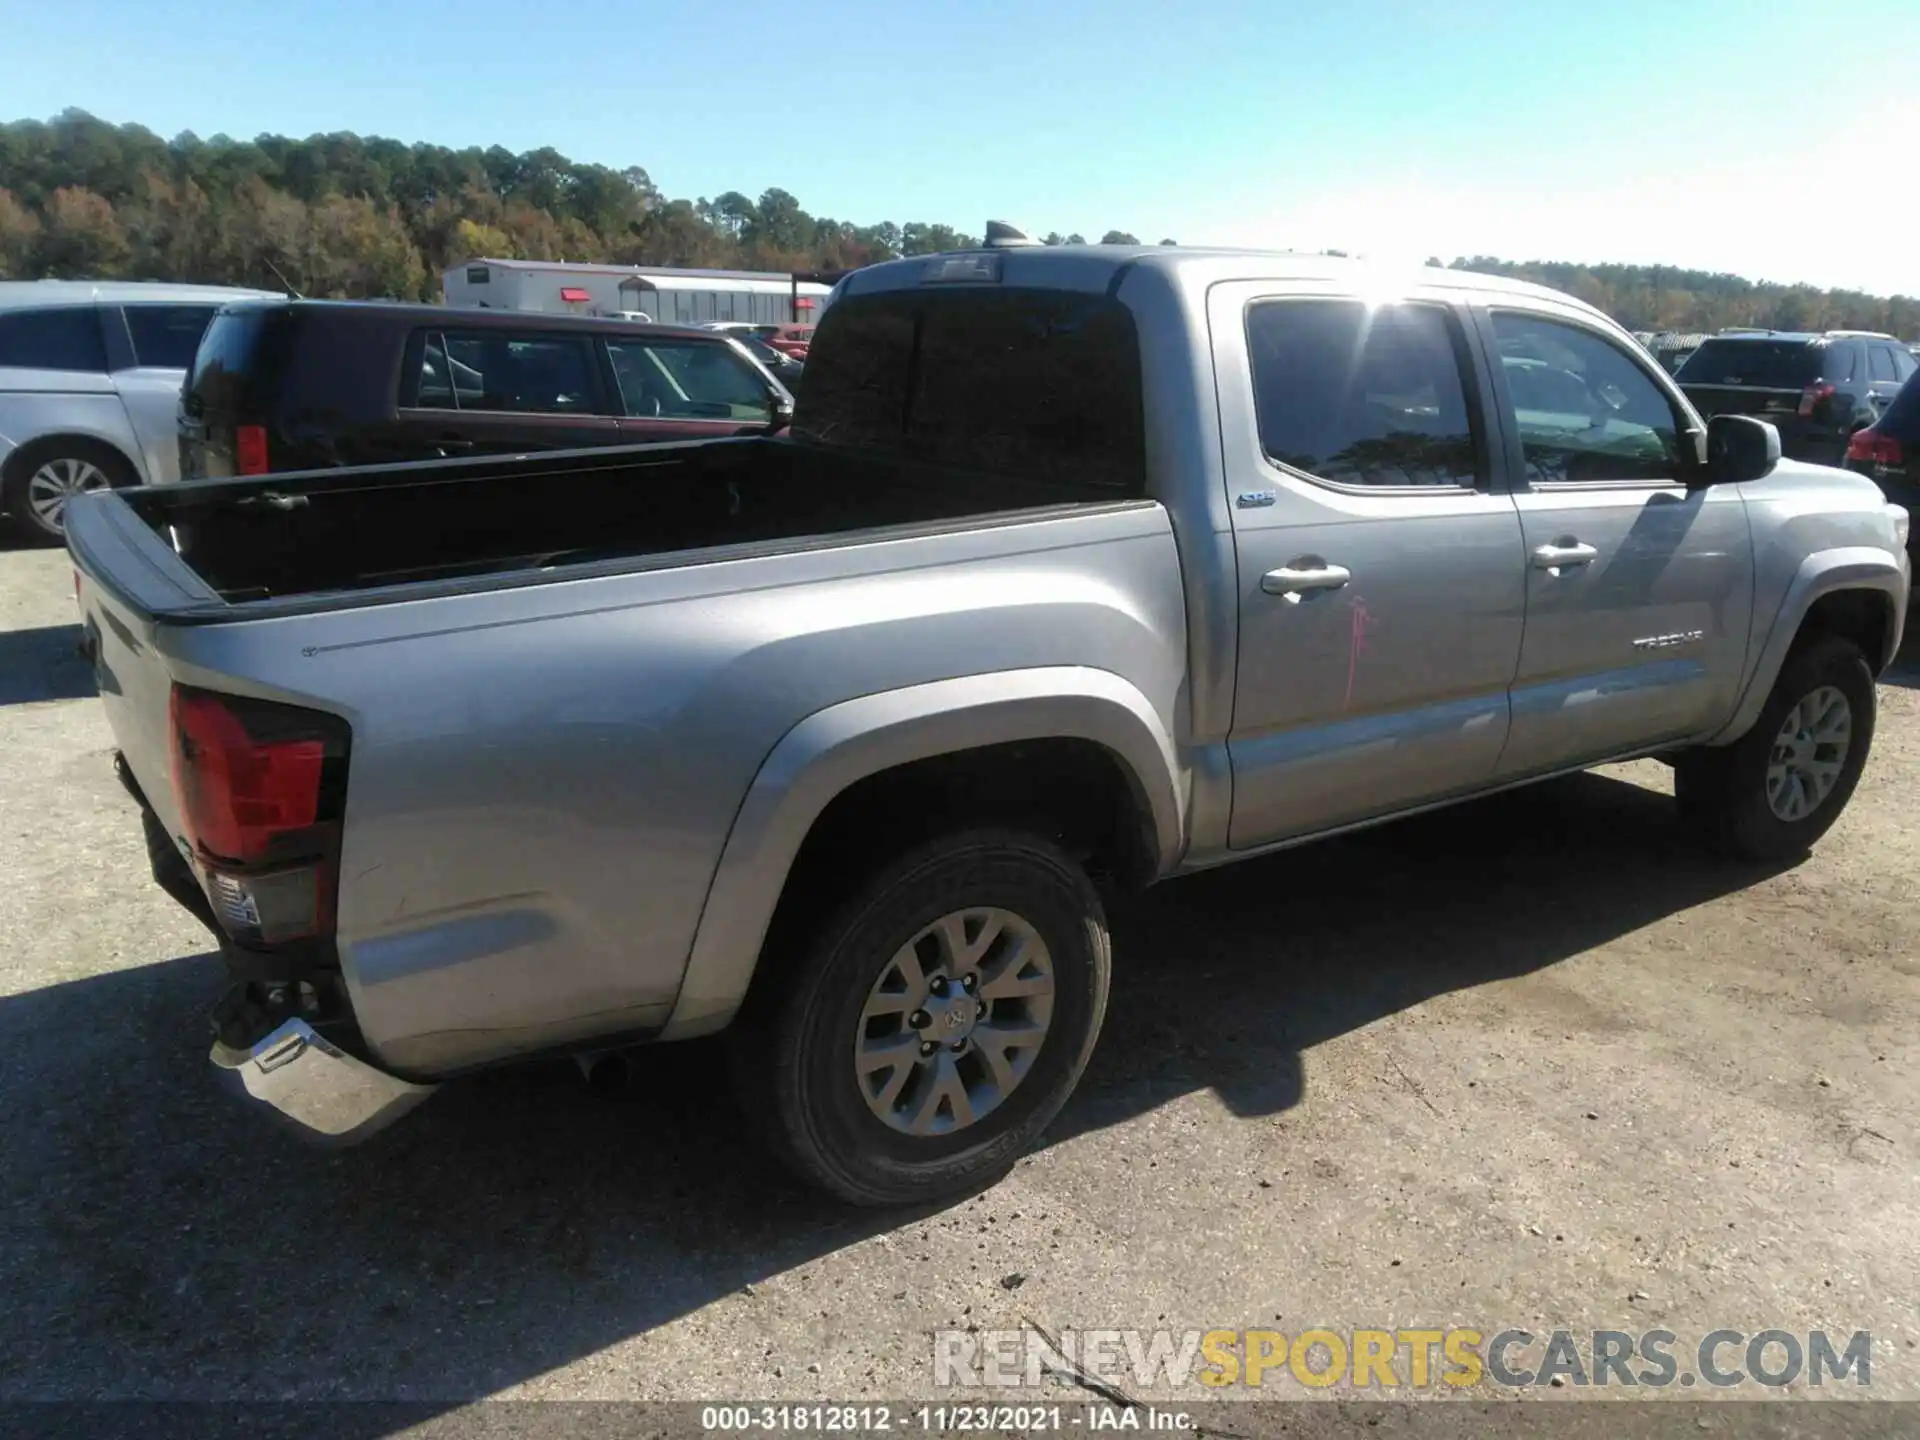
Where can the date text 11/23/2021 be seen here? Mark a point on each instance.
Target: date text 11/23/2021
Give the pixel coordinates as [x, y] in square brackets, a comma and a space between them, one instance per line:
[882, 1419]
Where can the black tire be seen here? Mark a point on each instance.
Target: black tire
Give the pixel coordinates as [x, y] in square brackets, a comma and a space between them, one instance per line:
[792, 1049]
[1723, 792]
[28, 459]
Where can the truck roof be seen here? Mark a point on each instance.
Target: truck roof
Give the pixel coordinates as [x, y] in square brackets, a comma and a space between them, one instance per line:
[1096, 267]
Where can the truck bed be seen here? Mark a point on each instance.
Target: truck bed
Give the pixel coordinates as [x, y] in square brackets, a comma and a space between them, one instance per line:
[329, 532]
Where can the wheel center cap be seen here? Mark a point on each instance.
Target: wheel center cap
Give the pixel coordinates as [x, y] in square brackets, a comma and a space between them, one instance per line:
[952, 1017]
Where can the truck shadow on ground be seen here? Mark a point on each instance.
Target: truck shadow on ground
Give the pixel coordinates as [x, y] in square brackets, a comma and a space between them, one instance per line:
[43, 664]
[1905, 670]
[160, 1243]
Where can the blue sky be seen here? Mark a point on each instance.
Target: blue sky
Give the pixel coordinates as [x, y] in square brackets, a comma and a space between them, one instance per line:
[1694, 132]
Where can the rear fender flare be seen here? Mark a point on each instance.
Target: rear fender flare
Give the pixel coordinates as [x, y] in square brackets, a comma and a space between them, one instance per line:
[1825, 572]
[836, 747]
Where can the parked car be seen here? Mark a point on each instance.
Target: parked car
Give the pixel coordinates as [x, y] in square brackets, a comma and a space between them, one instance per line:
[298, 384]
[791, 340]
[89, 379]
[1815, 389]
[1672, 350]
[1888, 451]
[1080, 569]
[782, 366]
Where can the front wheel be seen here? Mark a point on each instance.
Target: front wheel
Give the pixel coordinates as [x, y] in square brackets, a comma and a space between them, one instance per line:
[940, 1019]
[1775, 791]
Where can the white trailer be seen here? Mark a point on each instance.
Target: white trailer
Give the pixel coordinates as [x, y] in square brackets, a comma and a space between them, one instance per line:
[674, 297]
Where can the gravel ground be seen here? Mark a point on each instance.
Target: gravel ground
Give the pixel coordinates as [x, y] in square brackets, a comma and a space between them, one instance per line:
[1530, 1062]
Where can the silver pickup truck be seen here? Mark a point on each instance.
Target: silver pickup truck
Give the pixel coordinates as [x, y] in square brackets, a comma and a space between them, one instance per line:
[1080, 568]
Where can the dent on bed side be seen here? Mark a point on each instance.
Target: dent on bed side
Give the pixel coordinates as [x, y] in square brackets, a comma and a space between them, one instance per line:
[837, 747]
[1825, 572]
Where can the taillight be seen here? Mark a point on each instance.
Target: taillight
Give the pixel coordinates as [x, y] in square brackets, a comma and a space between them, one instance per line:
[1874, 448]
[260, 788]
[1812, 396]
[250, 449]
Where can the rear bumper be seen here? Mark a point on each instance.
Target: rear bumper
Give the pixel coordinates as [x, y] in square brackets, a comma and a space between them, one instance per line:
[314, 1086]
[266, 1055]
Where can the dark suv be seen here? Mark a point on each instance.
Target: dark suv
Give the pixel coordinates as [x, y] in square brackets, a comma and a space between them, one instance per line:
[1817, 390]
[306, 384]
[1889, 449]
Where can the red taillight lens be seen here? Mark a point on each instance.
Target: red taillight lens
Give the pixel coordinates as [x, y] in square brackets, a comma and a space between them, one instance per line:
[251, 780]
[250, 449]
[1812, 396]
[1875, 448]
[237, 794]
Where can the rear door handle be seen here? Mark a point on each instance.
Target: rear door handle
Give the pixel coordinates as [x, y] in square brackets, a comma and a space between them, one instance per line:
[1301, 577]
[1556, 557]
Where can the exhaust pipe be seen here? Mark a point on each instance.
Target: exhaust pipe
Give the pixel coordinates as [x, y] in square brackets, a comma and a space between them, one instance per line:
[607, 1072]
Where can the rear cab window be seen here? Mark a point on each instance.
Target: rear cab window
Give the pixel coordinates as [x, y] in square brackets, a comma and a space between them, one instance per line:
[1762, 364]
[64, 338]
[1031, 384]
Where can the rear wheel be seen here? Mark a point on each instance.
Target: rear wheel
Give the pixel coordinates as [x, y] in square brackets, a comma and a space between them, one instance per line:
[1774, 792]
[939, 1021]
[42, 478]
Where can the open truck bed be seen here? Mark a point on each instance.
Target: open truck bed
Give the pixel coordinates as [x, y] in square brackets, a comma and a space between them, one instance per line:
[334, 534]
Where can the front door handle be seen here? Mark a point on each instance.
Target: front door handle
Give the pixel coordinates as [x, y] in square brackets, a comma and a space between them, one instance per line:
[1563, 555]
[1301, 577]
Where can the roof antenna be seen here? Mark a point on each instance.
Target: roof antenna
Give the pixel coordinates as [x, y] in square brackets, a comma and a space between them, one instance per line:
[292, 293]
[1002, 236]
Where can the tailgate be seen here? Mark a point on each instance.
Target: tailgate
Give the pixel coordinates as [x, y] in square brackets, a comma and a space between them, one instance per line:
[127, 582]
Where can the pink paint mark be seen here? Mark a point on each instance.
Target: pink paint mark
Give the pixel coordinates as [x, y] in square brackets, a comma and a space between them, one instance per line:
[1363, 619]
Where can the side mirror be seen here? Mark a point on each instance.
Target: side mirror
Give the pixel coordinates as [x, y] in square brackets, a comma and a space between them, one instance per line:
[1739, 448]
[782, 413]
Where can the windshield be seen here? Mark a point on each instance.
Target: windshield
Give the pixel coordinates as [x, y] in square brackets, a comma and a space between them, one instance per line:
[1778, 364]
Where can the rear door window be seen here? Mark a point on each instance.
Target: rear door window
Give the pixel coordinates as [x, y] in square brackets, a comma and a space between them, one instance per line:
[1903, 362]
[1036, 385]
[66, 338]
[1759, 364]
[687, 380]
[165, 337]
[504, 371]
[1363, 395]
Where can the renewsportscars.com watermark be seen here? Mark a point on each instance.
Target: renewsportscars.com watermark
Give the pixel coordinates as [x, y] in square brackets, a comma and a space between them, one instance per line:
[1400, 1359]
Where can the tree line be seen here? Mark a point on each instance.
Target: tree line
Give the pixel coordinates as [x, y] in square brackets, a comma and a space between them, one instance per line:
[343, 215]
